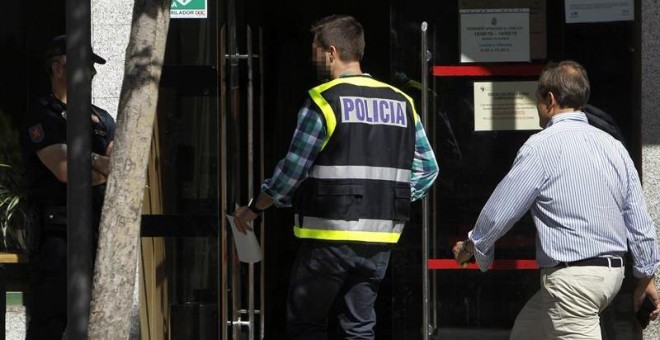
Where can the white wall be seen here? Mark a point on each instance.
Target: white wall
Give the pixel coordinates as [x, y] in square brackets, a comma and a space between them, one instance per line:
[111, 27]
[651, 120]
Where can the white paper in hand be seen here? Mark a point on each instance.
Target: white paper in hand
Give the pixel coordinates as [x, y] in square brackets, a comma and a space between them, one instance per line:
[247, 246]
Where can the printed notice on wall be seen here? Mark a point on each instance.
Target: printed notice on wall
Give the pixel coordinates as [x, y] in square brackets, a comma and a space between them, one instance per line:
[599, 10]
[189, 9]
[537, 20]
[505, 106]
[494, 35]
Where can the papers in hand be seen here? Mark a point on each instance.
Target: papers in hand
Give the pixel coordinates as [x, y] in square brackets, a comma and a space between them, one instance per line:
[247, 246]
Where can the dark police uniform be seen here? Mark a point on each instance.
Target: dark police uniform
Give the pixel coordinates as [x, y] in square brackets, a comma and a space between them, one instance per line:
[45, 125]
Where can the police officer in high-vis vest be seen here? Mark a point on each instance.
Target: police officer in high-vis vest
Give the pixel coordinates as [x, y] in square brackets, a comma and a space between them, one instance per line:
[43, 139]
[358, 157]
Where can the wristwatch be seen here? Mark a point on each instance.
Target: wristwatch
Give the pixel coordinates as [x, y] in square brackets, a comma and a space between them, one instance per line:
[253, 206]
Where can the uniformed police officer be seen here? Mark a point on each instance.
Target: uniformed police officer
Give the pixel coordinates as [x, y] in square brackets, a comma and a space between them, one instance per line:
[358, 157]
[43, 140]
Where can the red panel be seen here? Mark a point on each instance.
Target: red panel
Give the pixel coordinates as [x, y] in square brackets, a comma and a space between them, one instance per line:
[450, 264]
[489, 70]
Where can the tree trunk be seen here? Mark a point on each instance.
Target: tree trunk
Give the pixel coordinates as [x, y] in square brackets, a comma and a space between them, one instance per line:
[119, 235]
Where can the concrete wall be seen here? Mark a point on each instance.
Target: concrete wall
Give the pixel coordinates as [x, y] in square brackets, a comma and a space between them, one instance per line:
[111, 27]
[651, 119]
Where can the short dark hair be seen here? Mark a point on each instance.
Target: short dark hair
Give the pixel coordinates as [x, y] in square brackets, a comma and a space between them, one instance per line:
[343, 32]
[569, 83]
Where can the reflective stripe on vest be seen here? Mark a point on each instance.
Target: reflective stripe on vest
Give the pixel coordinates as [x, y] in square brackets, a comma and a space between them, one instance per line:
[326, 109]
[360, 172]
[381, 231]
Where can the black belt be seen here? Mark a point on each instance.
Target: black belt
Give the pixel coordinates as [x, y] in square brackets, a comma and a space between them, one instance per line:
[614, 262]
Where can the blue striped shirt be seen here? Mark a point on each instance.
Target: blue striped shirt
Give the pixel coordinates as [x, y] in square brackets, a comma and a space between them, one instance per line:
[584, 194]
[306, 144]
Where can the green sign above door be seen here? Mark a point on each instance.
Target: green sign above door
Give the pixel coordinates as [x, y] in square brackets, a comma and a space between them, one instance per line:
[189, 9]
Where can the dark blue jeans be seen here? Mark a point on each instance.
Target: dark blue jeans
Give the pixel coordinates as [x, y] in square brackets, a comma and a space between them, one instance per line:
[328, 272]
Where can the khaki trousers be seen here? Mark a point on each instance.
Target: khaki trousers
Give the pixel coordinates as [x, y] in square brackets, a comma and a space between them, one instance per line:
[569, 303]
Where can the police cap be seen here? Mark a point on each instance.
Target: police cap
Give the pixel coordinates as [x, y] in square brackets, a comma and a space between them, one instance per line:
[57, 47]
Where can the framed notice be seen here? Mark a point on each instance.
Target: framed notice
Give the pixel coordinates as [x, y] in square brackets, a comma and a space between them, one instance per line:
[505, 106]
[599, 11]
[494, 35]
[537, 20]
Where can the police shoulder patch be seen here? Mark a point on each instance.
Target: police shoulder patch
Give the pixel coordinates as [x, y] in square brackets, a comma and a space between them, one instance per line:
[36, 133]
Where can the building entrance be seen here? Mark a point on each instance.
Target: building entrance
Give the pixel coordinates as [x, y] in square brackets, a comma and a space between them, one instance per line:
[231, 88]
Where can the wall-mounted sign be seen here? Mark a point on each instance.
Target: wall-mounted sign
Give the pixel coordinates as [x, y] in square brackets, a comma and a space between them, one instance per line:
[189, 9]
[493, 35]
[599, 11]
[505, 106]
[537, 20]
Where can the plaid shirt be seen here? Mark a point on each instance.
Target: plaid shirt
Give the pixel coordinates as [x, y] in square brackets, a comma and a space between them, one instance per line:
[306, 144]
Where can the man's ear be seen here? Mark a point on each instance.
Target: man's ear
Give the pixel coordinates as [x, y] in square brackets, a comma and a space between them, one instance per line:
[53, 67]
[333, 52]
[56, 68]
[550, 99]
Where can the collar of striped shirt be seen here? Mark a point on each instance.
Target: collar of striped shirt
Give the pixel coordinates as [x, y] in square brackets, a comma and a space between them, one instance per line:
[575, 116]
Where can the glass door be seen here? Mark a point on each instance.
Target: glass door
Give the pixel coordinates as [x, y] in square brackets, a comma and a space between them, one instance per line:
[464, 302]
[241, 150]
[180, 225]
[206, 159]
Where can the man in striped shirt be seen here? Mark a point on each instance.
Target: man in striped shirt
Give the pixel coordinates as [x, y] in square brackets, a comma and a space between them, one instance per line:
[358, 157]
[585, 198]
